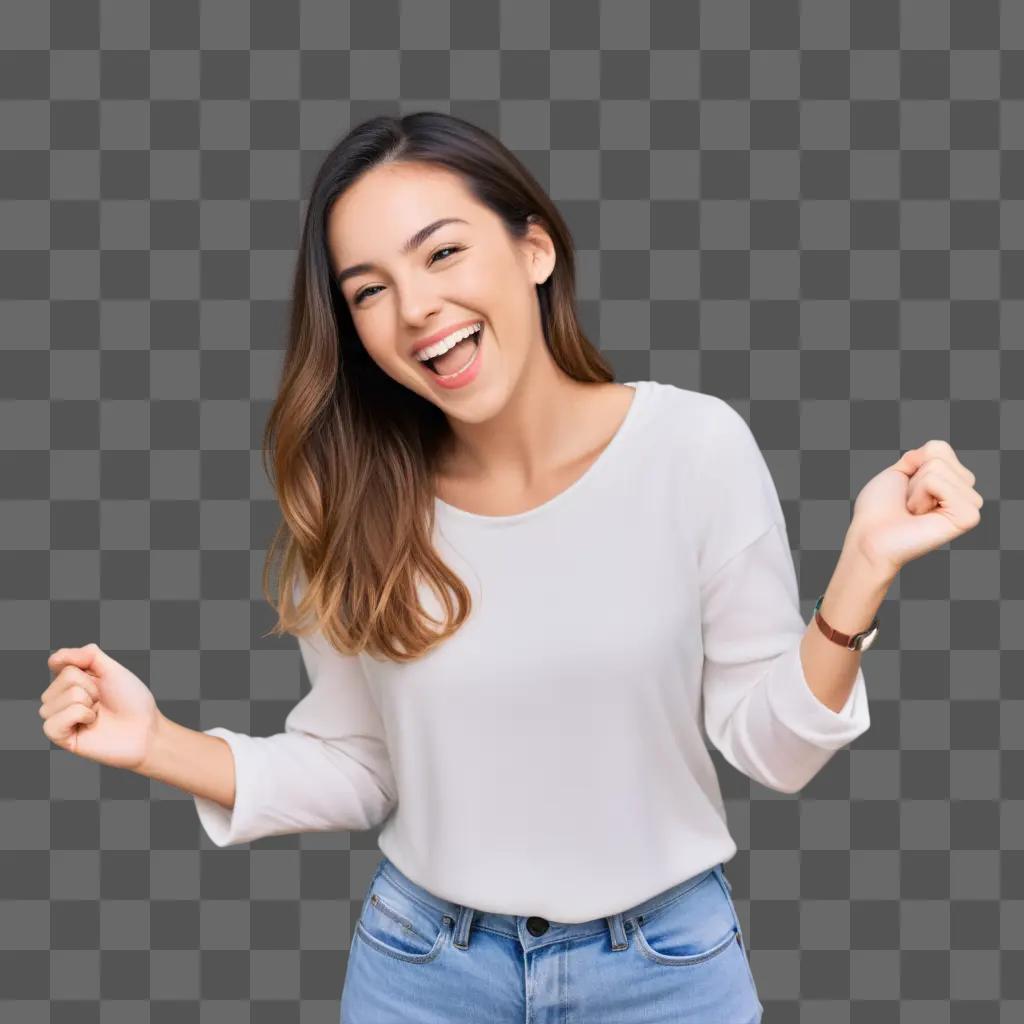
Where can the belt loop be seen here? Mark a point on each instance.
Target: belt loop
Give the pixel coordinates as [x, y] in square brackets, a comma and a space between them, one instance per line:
[617, 931]
[719, 870]
[462, 927]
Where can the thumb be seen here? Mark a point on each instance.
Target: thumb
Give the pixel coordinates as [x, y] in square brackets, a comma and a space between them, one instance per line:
[90, 658]
[910, 461]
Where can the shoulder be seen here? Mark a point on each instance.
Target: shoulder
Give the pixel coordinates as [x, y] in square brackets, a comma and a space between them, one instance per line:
[702, 437]
[694, 419]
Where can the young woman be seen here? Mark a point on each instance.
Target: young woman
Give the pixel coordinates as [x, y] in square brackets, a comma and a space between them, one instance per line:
[524, 595]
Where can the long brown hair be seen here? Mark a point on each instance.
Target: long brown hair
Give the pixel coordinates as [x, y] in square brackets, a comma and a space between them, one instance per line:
[354, 452]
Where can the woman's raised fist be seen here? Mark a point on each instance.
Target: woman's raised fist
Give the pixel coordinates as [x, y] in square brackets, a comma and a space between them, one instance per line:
[96, 708]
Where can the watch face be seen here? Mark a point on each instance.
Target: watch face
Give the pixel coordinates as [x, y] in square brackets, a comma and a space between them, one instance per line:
[869, 639]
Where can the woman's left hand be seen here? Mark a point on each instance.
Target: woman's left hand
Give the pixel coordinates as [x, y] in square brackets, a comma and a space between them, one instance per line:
[922, 501]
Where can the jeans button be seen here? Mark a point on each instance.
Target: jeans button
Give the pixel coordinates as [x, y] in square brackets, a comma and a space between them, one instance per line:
[536, 925]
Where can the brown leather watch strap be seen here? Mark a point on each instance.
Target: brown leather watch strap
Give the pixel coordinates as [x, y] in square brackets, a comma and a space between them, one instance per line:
[843, 639]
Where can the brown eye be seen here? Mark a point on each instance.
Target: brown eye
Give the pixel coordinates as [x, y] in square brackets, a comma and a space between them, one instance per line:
[362, 295]
[366, 292]
[447, 248]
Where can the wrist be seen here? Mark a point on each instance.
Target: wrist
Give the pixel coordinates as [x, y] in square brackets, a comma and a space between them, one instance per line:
[857, 555]
[149, 764]
[854, 593]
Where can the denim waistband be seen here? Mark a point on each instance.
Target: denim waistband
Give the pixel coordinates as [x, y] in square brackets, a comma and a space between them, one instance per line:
[514, 925]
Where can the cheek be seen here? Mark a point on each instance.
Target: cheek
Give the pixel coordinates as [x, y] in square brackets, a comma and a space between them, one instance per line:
[387, 358]
[374, 334]
[378, 347]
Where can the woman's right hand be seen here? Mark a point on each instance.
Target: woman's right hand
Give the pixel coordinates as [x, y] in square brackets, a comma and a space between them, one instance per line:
[96, 708]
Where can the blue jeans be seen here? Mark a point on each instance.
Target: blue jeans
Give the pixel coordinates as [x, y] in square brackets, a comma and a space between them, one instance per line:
[419, 959]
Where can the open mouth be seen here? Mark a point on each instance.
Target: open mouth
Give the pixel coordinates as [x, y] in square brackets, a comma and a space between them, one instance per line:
[456, 359]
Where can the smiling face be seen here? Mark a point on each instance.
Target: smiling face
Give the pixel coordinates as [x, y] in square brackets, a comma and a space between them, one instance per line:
[467, 270]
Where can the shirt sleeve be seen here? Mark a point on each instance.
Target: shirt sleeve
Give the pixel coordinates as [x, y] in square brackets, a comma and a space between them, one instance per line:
[759, 710]
[328, 771]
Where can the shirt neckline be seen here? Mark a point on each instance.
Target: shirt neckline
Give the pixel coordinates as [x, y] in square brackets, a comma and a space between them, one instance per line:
[531, 513]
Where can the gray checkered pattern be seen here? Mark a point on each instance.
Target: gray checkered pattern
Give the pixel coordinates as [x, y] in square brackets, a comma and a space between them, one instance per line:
[813, 210]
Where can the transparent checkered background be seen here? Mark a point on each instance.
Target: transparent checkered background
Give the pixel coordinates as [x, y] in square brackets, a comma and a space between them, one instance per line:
[815, 211]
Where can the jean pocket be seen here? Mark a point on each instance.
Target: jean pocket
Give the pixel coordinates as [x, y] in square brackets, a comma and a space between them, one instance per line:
[694, 928]
[398, 925]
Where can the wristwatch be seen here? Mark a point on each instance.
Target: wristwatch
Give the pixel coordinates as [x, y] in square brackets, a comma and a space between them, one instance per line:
[858, 642]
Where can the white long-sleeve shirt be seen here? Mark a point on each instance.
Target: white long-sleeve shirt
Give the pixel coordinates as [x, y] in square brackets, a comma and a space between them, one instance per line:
[550, 757]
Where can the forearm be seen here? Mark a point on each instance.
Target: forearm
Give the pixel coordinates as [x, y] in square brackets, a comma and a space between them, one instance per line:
[200, 764]
[852, 599]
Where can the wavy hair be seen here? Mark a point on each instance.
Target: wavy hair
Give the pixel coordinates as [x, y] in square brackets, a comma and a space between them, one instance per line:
[351, 453]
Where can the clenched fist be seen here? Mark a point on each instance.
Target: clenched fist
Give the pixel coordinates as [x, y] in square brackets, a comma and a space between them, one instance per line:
[96, 708]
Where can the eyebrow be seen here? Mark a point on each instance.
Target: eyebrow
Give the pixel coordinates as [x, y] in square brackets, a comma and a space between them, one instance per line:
[413, 243]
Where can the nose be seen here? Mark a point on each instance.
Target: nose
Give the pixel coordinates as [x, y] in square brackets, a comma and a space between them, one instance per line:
[419, 308]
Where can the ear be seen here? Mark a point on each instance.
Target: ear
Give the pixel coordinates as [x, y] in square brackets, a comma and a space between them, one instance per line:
[540, 250]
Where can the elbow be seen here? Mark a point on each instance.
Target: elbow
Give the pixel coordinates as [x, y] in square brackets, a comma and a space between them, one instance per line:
[771, 769]
[789, 788]
[794, 776]
[778, 783]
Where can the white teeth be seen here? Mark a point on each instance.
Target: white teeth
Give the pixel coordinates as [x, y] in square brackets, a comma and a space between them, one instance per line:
[451, 341]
